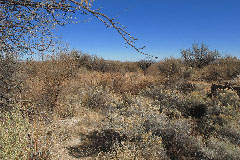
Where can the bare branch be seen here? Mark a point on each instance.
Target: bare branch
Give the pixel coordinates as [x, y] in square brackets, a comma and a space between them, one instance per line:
[24, 24]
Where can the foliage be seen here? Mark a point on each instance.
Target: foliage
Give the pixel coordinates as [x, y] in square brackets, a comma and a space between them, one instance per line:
[227, 102]
[94, 63]
[226, 68]
[144, 65]
[51, 76]
[231, 67]
[14, 135]
[113, 115]
[222, 149]
[187, 73]
[199, 56]
[171, 67]
[95, 98]
[10, 83]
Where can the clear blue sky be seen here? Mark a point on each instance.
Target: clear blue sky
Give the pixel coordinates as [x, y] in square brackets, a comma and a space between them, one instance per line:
[164, 26]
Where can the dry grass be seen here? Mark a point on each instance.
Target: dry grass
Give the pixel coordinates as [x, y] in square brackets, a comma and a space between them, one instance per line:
[68, 111]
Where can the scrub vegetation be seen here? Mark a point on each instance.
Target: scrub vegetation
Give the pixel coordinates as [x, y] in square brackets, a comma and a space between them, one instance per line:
[78, 106]
[72, 105]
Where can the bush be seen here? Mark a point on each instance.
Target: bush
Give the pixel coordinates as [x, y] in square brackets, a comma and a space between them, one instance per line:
[213, 72]
[51, 75]
[226, 104]
[95, 98]
[144, 65]
[9, 83]
[94, 63]
[102, 65]
[187, 73]
[171, 67]
[13, 136]
[130, 66]
[199, 56]
[231, 66]
[185, 87]
[225, 68]
[82, 60]
[222, 149]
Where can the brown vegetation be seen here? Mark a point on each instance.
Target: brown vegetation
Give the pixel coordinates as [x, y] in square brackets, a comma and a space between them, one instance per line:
[216, 87]
[76, 106]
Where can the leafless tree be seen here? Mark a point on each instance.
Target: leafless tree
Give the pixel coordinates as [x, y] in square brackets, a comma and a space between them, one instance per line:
[199, 56]
[27, 25]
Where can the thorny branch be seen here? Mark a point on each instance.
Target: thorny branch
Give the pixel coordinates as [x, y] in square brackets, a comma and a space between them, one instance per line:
[27, 25]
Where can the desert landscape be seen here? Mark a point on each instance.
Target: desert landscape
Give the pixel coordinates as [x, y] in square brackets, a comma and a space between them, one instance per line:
[78, 106]
[121, 80]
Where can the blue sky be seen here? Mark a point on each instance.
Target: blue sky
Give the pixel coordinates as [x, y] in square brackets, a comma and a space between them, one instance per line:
[163, 26]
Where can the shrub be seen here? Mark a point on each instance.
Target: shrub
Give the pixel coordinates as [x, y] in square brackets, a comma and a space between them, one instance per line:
[10, 82]
[102, 65]
[171, 67]
[144, 65]
[187, 73]
[82, 60]
[230, 66]
[7, 70]
[104, 141]
[199, 56]
[130, 66]
[221, 149]
[51, 75]
[184, 86]
[230, 131]
[95, 98]
[227, 103]
[212, 72]
[224, 69]
[13, 135]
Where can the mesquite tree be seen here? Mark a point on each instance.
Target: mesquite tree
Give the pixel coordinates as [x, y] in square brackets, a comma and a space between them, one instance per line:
[199, 56]
[26, 26]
